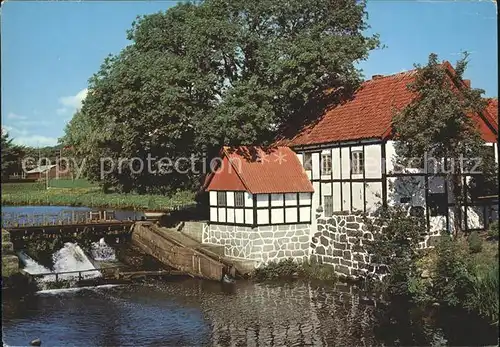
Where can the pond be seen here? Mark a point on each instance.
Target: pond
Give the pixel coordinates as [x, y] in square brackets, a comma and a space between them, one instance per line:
[190, 312]
[12, 213]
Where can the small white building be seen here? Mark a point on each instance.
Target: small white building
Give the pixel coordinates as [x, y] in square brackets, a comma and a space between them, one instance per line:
[258, 196]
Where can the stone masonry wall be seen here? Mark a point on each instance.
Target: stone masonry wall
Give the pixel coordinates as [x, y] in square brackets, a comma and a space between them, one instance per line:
[339, 242]
[340, 239]
[262, 244]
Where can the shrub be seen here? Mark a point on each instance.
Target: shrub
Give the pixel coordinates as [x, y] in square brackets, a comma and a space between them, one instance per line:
[274, 270]
[475, 242]
[493, 230]
[290, 269]
[483, 298]
[453, 280]
[313, 270]
[397, 248]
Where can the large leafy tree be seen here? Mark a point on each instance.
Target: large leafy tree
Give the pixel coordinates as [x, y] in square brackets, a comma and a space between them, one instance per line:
[441, 123]
[216, 72]
[11, 156]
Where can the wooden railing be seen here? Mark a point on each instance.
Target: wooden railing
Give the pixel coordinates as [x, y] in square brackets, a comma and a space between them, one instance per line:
[65, 217]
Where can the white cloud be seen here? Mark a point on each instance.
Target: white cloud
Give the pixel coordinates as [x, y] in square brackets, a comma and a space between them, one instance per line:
[15, 116]
[73, 102]
[35, 141]
[61, 111]
[21, 135]
[15, 132]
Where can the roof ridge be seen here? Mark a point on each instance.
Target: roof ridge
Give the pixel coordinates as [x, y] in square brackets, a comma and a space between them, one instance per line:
[397, 74]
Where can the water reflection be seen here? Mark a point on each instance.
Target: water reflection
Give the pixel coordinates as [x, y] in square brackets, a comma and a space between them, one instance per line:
[193, 312]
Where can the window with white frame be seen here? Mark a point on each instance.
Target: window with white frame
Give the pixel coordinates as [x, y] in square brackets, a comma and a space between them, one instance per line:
[328, 203]
[357, 162]
[239, 199]
[221, 199]
[326, 164]
[307, 161]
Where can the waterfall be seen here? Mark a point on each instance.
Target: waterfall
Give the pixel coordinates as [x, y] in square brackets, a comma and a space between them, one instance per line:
[69, 258]
[72, 258]
[102, 252]
[30, 265]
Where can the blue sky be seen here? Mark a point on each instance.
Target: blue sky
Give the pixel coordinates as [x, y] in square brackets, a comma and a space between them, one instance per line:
[50, 49]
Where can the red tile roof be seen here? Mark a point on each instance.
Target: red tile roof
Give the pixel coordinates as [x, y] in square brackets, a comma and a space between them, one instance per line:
[369, 113]
[492, 110]
[259, 170]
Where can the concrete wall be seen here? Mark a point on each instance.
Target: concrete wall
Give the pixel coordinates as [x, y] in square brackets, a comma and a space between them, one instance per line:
[262, 244]
[193, 229]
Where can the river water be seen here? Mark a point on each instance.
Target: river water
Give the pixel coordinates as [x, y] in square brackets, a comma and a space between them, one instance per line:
[190, 312]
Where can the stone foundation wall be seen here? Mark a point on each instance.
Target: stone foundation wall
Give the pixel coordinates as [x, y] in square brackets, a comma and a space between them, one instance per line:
[340, 241]
[262, 244]
[10, 262]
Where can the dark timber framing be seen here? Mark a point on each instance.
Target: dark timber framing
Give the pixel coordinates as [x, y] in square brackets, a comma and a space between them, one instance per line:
[383, 180]
[254, 208]
[384, 173]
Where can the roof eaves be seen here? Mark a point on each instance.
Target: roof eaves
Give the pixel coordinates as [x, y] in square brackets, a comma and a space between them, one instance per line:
[225, 148]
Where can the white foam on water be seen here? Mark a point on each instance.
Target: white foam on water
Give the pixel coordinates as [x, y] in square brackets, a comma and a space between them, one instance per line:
[72, 258]
[69, 258]
[73, 290]
[31, 266]
[102, 252]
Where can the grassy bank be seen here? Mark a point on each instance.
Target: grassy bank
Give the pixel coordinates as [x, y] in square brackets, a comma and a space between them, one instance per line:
[82, 193]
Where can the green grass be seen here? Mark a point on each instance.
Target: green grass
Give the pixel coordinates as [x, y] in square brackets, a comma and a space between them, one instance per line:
[68, 183]
[36, 194]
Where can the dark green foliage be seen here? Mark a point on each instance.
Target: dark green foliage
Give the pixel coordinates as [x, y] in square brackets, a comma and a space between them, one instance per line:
[483, 299]
[290, 269]
[11, 156]
[469, 281]
[396, 247]
[475, 242]
[452, 279]
[438, 124]
[493, 230]
[216, 72]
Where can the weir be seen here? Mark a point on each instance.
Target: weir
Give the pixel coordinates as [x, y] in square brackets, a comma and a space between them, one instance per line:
[70, 264]
[168, 246]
